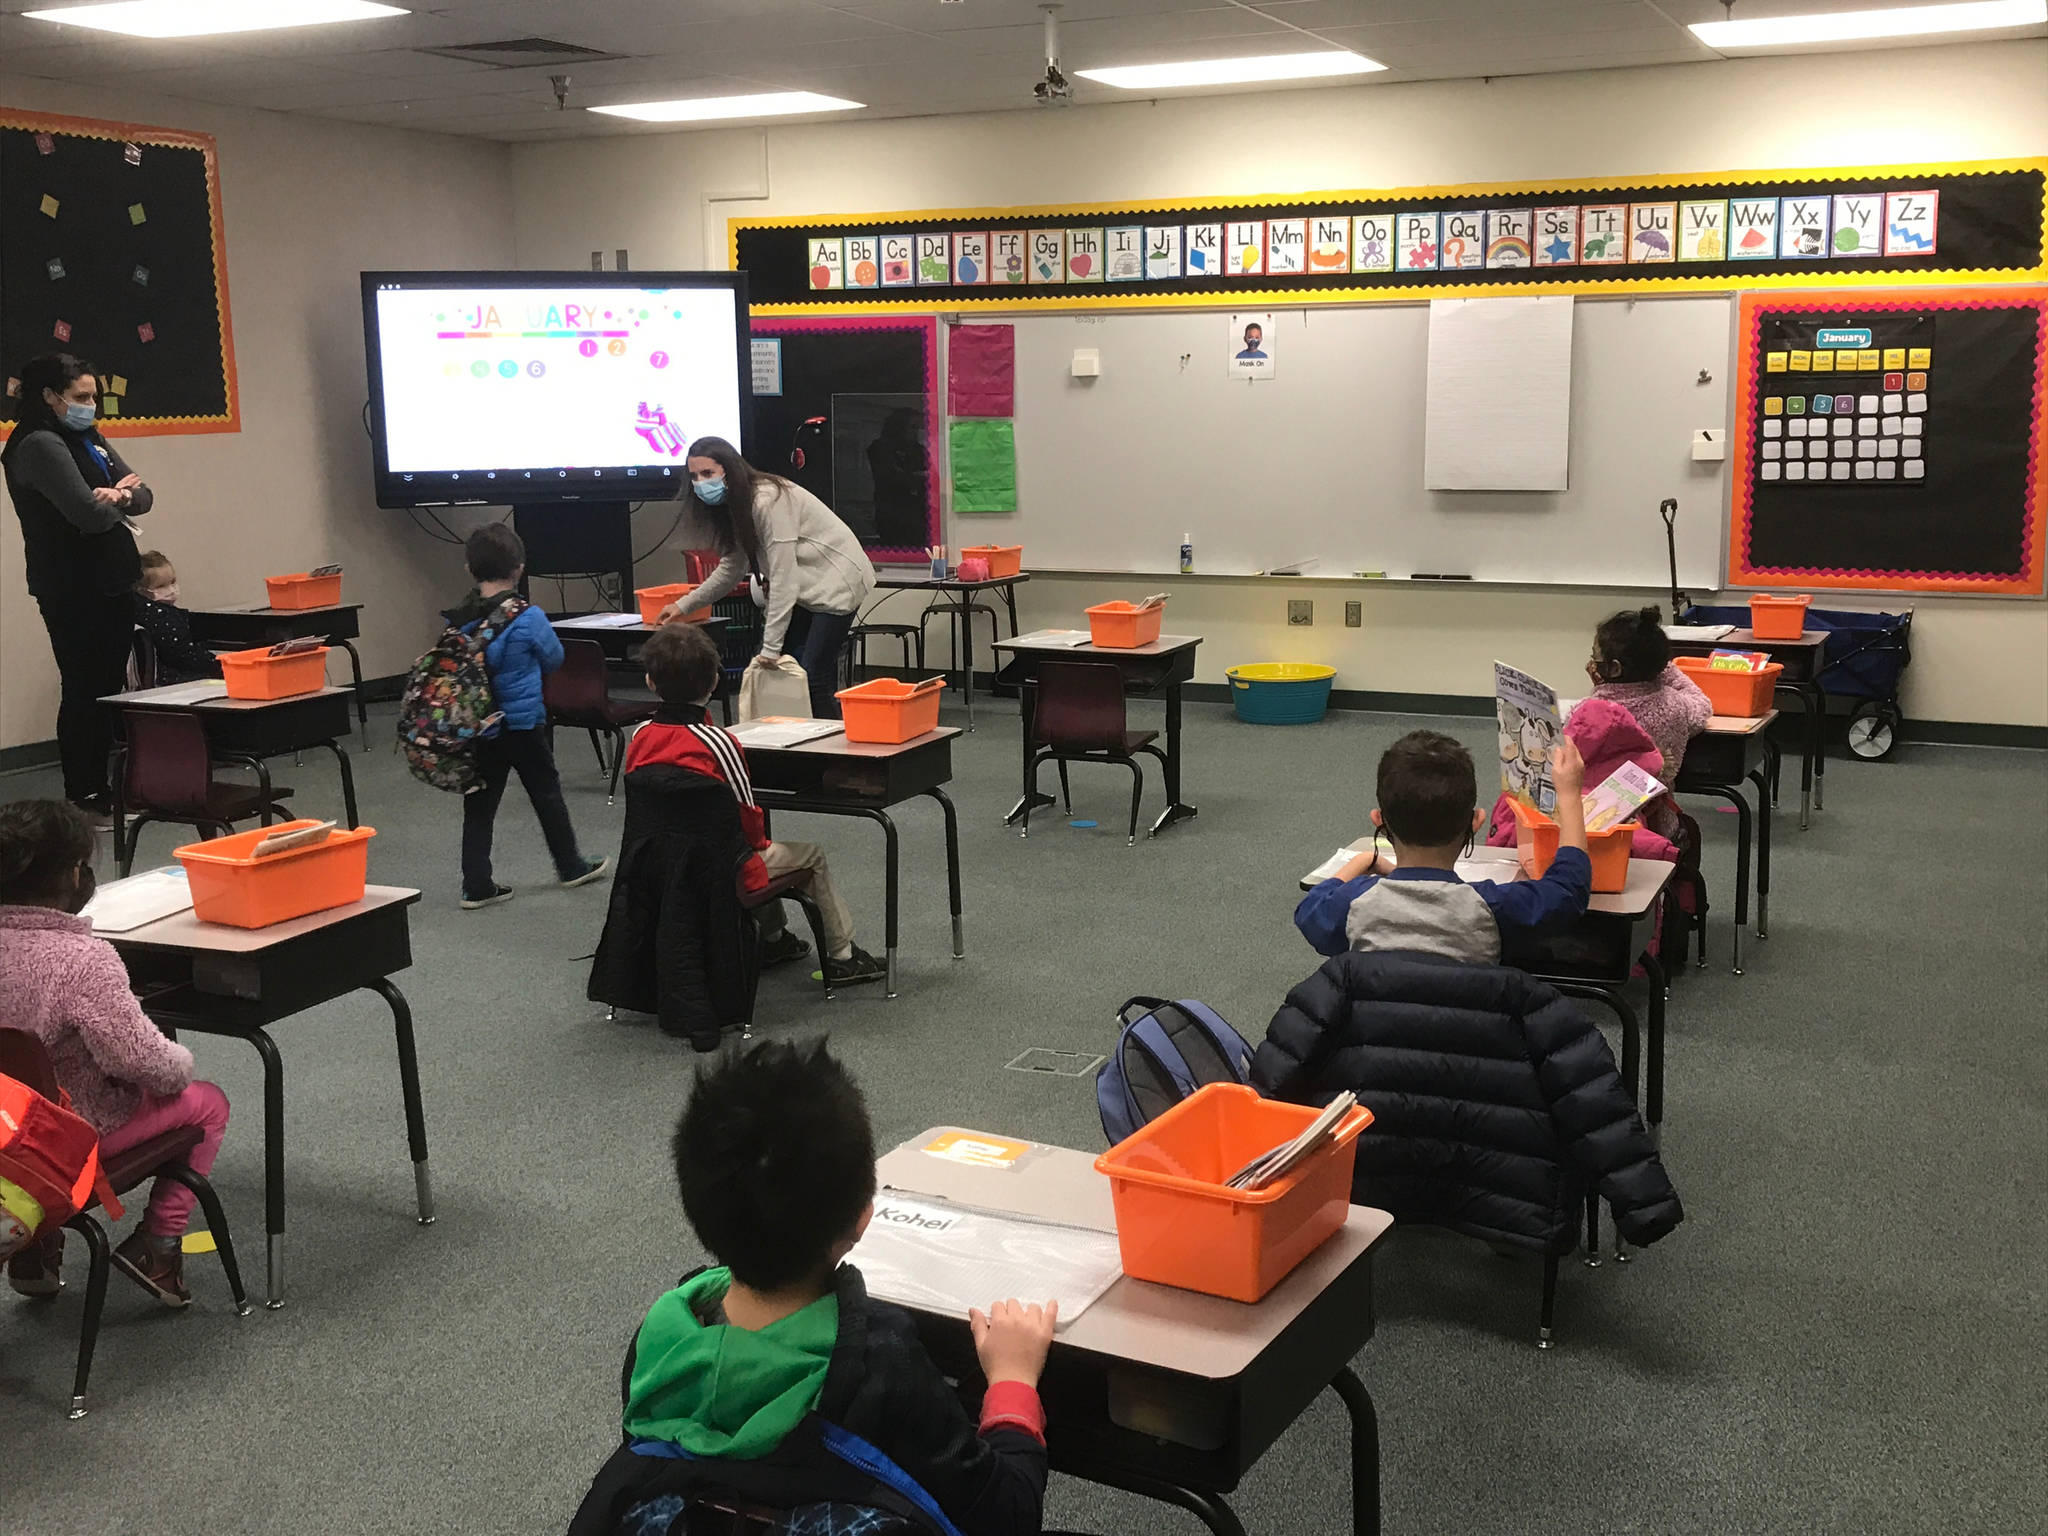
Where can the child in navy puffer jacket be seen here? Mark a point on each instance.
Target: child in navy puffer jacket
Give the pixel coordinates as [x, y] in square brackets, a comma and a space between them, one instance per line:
[521, 655]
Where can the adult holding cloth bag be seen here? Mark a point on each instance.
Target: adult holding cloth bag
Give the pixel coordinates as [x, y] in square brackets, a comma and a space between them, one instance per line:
[74, 494]
[818, 575]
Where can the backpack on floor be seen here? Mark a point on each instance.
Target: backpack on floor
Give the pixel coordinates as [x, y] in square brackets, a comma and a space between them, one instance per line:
[1163, 1055]
[49, 1166]
[448, 703]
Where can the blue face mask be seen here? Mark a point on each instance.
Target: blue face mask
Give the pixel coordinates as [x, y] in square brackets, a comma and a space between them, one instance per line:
[78, 417]
[711, 492]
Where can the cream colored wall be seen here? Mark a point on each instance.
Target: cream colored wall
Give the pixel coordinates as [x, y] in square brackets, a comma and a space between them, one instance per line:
[308, 204]
[666, 197]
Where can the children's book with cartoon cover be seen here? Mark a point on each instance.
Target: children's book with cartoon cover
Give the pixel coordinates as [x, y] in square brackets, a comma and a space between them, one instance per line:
[1529, 728]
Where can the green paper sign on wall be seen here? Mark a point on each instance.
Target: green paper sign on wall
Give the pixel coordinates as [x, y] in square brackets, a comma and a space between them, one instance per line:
[984, 459]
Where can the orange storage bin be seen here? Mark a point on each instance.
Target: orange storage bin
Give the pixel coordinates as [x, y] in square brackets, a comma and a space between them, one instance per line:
[1744, 694]
[1178, 1225]
[1777, 618]
[654, 599]
[303, 591]
[889, 710]
[1003, 559]
[1122, 626]
[1536, 845]
[259, 675]
[232, 887]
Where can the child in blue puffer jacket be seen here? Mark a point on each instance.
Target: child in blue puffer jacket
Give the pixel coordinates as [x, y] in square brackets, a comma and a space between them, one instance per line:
[520, 656]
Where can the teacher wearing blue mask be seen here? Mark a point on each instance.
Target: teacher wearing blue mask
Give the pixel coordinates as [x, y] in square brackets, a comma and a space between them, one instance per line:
[817, 573]
[74, 494]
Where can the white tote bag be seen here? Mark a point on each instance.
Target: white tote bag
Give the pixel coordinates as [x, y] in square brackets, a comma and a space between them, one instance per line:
[782, 689]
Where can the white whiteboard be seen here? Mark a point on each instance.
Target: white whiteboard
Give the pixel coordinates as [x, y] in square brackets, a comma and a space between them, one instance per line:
[1325, 459]
[1499, 398]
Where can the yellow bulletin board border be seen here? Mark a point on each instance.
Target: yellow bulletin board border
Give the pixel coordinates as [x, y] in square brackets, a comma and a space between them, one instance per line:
[1625, 280]
[168, 138]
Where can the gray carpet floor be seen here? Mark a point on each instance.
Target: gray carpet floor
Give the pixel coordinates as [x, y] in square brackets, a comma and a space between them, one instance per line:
[1847, 1334]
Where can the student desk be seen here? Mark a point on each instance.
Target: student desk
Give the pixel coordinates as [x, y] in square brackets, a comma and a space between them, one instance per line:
[1801, 660]
[1594, 960]
[253, 624]
[620, 642]
[1730, 750]
[253, 730]
[958, 595]
[1164, 666]
[215, 980]
[836, 777]
[1164, 1392]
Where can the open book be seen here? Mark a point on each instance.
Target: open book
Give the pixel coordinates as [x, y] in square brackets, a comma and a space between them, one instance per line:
[1617, 798]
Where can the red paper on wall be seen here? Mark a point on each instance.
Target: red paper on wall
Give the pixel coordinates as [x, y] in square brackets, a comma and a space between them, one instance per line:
[981, 370]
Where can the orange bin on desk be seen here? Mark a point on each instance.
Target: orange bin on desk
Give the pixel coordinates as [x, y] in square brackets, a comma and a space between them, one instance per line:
[303, 591]
[257, 674]
[654, 599]
[1536, 847]
[232, 887]
[1177, 1223]
[1122, 626]
[1777, 618]
[1003, 559]
[888, 711]
[1742, 694]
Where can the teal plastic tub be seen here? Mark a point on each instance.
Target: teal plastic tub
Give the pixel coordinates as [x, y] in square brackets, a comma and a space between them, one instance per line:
[1280, 692]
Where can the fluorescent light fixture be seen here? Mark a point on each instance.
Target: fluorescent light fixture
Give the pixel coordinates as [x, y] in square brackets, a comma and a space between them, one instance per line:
[704, 109]
[1857, 26]
[1273, 66]
[205, 18]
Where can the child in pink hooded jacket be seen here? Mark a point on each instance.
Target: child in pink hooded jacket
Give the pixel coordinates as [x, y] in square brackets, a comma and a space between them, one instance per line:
[1631, 666]
[124, 1076]
[1607, 736]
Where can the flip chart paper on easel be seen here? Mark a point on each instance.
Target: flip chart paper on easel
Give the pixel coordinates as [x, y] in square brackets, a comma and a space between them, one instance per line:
[1498, 404]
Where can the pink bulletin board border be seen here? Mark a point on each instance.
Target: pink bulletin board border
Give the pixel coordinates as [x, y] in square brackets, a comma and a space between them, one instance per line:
[926, 326]
[1749, 370]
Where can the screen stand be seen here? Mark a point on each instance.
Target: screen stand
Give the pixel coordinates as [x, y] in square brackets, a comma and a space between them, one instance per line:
[578, 538]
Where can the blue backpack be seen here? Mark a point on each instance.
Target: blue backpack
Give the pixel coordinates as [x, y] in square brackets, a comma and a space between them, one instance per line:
[1163, 1055]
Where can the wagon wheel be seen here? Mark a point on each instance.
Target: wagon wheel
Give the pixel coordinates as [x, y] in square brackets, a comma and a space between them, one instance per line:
[1873, 730]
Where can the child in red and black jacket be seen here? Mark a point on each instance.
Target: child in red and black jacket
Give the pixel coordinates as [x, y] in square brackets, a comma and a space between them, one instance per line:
[775, 1378]
[682, 666]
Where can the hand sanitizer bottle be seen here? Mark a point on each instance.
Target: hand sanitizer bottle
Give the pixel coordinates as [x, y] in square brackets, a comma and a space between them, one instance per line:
[1187, 554]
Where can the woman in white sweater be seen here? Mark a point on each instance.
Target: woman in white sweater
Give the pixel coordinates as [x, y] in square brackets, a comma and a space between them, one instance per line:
[818, 575]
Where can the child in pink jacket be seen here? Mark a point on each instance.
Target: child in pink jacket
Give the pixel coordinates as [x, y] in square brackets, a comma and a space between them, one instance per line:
[1631, 666]
[129, 1080]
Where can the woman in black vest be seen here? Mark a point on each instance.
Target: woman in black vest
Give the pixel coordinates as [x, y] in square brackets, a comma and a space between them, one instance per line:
[73, 494]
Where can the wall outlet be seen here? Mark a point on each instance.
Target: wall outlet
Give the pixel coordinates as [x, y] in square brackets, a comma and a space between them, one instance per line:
[1300, 611]
[1354, 614]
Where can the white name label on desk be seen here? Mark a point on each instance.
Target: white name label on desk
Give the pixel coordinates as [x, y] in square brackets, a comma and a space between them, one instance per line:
[782, 731]
[1065, 637]
[949, 1258]
[121, 906]
[186, 693]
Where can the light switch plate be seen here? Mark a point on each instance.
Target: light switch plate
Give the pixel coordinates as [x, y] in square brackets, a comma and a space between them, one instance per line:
[1354, 614]
[1709, 443]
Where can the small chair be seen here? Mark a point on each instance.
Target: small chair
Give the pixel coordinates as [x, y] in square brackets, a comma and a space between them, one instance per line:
[142, 670]
[24, 1058]
[1079, 718]
[163, 771]
[955, 616]
[906, 635]
[794, 886]
[578, 695]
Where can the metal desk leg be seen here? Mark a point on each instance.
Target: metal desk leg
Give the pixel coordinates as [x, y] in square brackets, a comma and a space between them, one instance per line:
[1654, 969]
[952, 867]
[1365, 1452]
[355, 666]
[889, 887]
[348, 782]
[1744, 832]
[1175, 809]
[409, 1085]
[967, 652]
[273, 1163]
[1763, 853]
[1209, 1508]
[1010, 600]
[1817, 708]
[1027, 707]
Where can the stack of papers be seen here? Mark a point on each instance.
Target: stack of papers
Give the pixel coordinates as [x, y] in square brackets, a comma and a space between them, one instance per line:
[121, 906]
[1270, 1167]
[928, 1253]
[781, 731]
[188, 693]
[1068, 637]
[602, 621]
[1697, 631]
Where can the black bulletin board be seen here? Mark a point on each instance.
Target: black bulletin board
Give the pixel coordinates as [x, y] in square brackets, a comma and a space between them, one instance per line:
[1967, 402]
[112, 248]
[866, 385]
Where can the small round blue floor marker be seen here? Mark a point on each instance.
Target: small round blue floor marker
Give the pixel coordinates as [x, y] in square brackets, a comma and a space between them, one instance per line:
[1083, 826]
